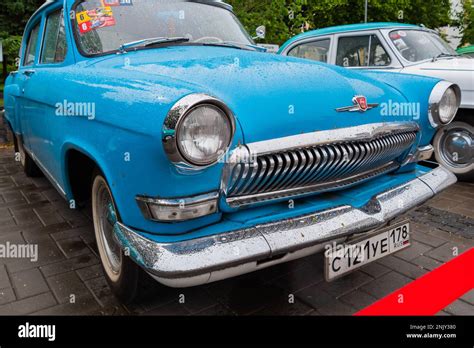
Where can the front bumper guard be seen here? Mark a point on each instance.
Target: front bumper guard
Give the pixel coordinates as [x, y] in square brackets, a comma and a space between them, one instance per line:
[207, 259]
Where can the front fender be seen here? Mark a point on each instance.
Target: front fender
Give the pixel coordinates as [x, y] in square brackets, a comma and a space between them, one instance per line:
[417, 91]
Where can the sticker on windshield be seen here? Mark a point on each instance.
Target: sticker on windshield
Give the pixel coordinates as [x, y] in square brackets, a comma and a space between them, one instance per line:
[106, 3]
[400, 44]
[85, 27]
[101, 17]
[395, 36]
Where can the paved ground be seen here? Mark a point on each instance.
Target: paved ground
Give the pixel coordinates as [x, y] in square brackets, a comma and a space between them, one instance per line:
[68, 268]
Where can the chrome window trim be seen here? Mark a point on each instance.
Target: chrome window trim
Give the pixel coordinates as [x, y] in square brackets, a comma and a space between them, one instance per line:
[435, 98]
[173, 120]
[394, 64]
[303, 41]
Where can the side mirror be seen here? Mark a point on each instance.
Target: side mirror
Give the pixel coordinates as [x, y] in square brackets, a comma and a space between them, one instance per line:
[261, 32]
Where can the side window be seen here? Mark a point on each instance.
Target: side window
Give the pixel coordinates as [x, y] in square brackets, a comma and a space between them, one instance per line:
[54, 45]
[30, 52]
[361, 51]
[316, 50]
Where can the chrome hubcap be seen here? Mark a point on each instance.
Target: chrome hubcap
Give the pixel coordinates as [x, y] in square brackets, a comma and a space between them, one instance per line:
[457, 147]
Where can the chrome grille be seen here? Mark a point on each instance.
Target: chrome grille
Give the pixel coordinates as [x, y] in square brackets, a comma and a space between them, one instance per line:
[317, 168]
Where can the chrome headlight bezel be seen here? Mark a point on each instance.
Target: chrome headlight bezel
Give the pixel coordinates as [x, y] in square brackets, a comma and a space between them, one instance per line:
[436, 97]
[174, 120]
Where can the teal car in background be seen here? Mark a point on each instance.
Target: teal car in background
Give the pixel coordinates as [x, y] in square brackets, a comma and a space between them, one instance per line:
[407, 49]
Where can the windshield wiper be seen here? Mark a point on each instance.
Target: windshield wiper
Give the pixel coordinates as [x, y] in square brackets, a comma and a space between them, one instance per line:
[237, 45]
[152, 42]
[444, 55]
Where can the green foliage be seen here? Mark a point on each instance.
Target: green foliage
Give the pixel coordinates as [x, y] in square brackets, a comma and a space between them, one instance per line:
[466, 22]
[14, 14]
[286, 18]
[11, 49]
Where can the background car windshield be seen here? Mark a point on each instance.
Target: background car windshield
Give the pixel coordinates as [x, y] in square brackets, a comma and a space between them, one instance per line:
[104, 25]
[418, 45]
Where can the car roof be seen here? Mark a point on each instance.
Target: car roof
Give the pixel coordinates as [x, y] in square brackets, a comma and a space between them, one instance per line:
[349, 28]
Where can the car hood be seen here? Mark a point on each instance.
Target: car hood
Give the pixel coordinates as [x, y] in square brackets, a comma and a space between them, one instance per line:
[456, 70]
[271, 96]
[461, 63]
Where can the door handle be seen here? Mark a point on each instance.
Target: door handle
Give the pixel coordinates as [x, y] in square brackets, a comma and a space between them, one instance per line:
[29, 72]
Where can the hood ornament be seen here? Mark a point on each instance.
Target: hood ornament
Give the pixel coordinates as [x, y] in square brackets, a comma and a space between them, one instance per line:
[360, 105]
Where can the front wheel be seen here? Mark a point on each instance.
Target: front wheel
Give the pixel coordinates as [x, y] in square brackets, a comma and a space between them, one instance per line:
[120, 271]
[454, 149]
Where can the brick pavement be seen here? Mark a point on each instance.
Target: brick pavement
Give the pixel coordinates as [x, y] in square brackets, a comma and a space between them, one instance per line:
[67, 278]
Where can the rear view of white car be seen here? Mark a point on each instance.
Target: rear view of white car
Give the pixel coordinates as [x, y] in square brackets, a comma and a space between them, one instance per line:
[406, 49]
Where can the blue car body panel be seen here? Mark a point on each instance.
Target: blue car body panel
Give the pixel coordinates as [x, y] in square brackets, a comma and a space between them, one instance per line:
[271, 96]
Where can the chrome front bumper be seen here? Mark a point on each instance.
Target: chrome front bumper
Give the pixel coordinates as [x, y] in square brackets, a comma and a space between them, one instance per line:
[217, 257]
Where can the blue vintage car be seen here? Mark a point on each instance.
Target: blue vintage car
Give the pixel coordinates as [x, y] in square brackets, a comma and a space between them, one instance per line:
[206, 158]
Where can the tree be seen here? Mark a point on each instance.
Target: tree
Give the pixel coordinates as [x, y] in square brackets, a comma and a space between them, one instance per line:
[466, 22]
[14, 14]
[271, 13]
[285, 18]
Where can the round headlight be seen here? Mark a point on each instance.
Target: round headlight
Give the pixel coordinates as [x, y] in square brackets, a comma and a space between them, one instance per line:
[204, 135]
[448, 106]
[445, 100]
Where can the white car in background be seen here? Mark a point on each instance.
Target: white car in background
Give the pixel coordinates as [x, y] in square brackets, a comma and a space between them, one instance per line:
[407, 49]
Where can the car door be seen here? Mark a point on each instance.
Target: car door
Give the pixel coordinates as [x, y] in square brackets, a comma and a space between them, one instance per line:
[22, 80]
[44, 86]
[364, 50]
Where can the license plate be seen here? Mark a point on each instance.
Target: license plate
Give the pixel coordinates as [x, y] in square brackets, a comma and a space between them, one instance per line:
[345, 258]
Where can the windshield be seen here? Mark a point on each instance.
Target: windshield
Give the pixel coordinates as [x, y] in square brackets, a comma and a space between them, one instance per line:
[103, 26]
[418, 45]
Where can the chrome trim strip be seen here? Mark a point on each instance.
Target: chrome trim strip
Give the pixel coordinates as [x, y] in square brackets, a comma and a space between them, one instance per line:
[423, 153]
[173, 120]
[341, 135]
[200, 258]
[240, 201]
[356, 108]
[435, 98]
[177, 202]
[46, 172]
